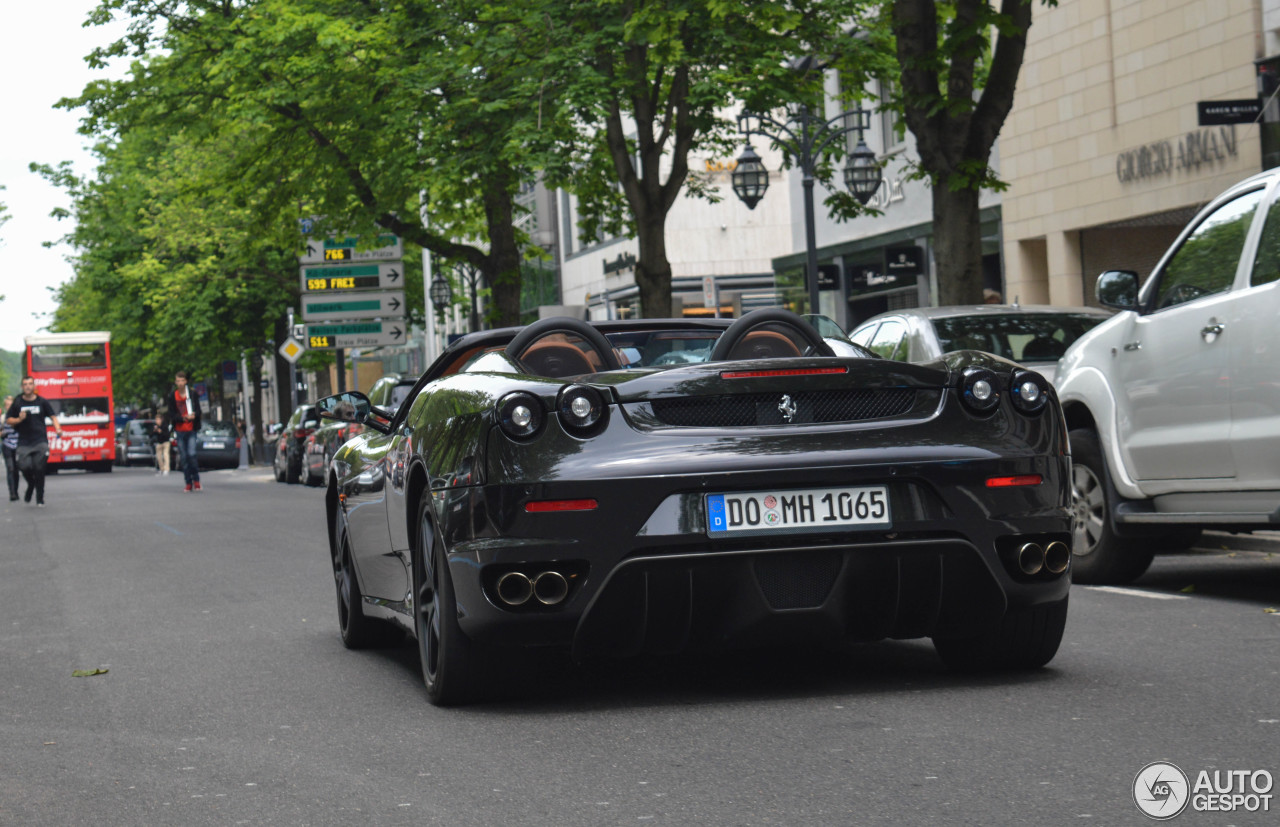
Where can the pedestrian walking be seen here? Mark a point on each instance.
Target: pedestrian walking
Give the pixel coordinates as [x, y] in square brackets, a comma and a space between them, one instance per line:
[26, 415]
[184, 416]
[9, 442]
[160, 438]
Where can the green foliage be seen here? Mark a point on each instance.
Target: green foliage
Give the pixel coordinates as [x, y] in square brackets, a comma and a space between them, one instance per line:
[650, 82]
[10, 373]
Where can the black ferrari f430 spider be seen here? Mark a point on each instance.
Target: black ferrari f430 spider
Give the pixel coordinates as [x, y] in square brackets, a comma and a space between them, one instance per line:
[651, 486]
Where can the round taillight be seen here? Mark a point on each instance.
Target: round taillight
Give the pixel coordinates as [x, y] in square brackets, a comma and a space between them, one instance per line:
[1029, 391]
[581, 408]
[979, 390]
[520, 415]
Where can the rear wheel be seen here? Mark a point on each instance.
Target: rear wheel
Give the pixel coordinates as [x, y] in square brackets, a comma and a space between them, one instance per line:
[1099, 556]
[1026, 638]
[449, 659]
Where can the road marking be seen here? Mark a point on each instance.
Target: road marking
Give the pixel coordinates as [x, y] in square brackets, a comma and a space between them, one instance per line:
[1137, 593]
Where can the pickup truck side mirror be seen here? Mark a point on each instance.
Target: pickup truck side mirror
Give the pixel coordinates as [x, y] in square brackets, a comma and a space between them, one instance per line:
[1118, 289]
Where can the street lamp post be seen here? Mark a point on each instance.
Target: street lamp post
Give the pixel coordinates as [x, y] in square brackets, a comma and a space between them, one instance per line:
[805, 136]
[441, 293]
[470, 275]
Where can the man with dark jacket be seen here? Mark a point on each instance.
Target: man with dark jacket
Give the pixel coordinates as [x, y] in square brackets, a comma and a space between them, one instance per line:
[184, 416]
[27, 415]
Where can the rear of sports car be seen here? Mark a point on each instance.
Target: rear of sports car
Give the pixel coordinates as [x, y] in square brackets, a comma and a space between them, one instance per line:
[740, 503]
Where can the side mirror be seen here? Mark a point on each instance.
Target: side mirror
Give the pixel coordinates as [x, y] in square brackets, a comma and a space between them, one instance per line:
[354, 406]
[1118, 289]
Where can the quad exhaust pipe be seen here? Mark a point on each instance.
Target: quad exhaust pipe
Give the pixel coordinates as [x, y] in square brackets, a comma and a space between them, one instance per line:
[1031, 558]
[515, 588]
[1057, 556]
[1034, 558]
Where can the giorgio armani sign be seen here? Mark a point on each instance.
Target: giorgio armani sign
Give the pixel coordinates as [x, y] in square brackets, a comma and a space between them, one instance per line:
[1185, 154]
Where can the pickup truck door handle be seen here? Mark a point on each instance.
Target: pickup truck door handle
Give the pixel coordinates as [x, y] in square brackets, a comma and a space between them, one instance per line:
[1133, 345]
[1211, 331]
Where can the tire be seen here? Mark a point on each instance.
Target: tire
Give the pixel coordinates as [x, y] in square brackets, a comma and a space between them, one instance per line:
[292, 469]
[358, 631]
[1026, 638]
[449, 659]
[279, 475]
[1098, 555]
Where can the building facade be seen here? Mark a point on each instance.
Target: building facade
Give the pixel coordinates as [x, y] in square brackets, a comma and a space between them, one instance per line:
[1106, 153]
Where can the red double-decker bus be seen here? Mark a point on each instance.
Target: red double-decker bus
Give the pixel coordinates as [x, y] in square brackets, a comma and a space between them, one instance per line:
[73, 371]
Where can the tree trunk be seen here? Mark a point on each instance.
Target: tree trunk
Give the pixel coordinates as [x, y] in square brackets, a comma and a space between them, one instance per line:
[501, 271]
[653, 269]
[957, 245]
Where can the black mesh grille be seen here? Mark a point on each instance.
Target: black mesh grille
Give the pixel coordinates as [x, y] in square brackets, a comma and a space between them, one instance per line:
[771, 408]
[797, 580]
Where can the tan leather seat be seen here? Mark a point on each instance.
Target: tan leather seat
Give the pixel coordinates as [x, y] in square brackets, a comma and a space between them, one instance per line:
[556, 360]
[764, 344]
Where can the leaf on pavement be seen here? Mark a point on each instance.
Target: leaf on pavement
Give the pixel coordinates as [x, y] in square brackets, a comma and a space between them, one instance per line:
[1188, 589]
[87, 673]
[1271, 611]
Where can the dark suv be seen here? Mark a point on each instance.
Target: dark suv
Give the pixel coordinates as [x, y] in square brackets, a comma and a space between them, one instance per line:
[288, 458]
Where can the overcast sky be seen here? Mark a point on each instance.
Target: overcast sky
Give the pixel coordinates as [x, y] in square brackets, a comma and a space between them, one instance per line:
[41, 61]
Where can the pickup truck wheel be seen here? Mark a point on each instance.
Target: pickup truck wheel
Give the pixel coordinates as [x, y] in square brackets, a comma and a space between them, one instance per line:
[1099, 556]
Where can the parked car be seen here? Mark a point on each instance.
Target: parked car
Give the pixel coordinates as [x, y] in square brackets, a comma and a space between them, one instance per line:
[1034, 335]
[218, 444]
[1174, 404]
[136, 446]
[533, 492]
[287, 461]
[387, 393]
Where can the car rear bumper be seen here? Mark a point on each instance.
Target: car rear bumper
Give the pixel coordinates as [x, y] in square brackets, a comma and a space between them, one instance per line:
[643, 573]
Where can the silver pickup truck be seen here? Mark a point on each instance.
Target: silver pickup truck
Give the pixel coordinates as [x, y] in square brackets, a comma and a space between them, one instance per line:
[1173, 404]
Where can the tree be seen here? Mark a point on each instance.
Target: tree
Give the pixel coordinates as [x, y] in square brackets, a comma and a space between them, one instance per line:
[170, 261]
[960, 61]
[651, 82]
[357, 110]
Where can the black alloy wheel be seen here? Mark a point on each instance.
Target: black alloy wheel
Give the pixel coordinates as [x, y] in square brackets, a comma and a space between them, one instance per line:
[447, 656]
[358, 631]
[1026, 638]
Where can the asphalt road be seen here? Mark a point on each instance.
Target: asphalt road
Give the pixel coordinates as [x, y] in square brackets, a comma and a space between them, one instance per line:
[229, 699]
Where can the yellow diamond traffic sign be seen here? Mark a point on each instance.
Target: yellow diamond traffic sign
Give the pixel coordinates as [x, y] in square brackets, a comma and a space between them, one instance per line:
[292, 349]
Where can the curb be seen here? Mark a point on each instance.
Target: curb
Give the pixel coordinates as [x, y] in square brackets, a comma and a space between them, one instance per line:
[1257, 541]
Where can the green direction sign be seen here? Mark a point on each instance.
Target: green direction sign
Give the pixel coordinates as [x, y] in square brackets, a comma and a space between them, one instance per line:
[330, 278]
[319, 307]
[342, 250]
[335, 335]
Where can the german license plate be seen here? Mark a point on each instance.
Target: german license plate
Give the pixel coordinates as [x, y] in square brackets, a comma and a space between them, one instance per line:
[811, 509]
[215, 445]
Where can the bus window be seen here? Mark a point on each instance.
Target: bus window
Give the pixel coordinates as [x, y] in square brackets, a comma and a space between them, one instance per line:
[62, 357]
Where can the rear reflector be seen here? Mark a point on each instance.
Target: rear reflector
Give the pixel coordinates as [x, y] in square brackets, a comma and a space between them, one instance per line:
[1010, 482]
[755, 374]
[561, 505]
